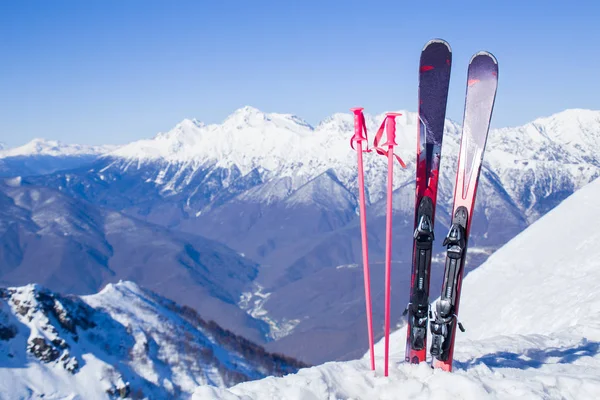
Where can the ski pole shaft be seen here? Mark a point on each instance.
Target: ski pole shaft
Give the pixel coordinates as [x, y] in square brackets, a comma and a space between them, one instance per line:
[365, 252]
[388, 256]
[389, 127]
[358, 137]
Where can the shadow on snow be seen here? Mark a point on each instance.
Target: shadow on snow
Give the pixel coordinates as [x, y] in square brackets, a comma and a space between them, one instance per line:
[534, 358]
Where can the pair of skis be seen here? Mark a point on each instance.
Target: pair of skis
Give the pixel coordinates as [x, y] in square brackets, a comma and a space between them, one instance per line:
[434, 77]
[482, 80]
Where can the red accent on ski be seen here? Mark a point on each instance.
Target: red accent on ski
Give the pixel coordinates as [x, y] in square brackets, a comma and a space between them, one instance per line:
[427, 68]
[471, 82]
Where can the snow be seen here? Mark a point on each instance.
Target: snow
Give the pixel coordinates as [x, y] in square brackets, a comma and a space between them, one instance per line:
[120, 339]
[562, 147]
[532, 314]
[249, 129]
[347, 266]
[54, 148]
[26, 379]
[253, 303]
[281, 145]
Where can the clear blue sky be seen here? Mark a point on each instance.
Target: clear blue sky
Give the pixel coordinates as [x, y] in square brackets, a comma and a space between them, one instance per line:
[114, 71]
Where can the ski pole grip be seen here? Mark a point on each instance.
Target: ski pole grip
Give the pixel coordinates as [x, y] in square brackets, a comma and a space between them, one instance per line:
[390, 127]
[358, 124]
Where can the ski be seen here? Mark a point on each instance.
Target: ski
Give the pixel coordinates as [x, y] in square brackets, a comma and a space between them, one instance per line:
[482, 81]
[434, 78]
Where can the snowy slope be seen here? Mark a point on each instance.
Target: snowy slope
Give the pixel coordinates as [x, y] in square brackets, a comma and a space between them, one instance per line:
[532, 314]
[121, 342]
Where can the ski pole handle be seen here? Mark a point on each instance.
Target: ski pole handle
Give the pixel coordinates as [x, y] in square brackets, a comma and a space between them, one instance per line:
[358, 122]
[360, 128]
[390, 127]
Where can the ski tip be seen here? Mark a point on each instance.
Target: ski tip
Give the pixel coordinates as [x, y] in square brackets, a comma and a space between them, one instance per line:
[437, 41]
[484, 54]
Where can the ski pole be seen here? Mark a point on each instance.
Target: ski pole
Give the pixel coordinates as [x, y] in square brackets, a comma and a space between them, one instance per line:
[359, 129]
[389, 125]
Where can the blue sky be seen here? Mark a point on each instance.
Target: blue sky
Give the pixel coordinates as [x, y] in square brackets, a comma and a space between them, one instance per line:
[115, 71]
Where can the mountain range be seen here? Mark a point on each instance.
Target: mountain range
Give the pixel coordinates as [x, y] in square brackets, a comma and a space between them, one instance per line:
[278, 196]
[41, 156]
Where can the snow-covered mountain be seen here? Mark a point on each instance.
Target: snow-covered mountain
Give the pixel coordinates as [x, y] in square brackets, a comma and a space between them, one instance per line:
[123, 342]
[54, 148]
[272, 145]
[210, 174]
[282, 145]
[42, 156]
[205, 178]
[283, 193]
[532, 313]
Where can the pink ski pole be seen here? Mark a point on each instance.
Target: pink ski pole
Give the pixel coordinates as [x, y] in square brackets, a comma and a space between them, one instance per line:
[389, 124]
[359, 129]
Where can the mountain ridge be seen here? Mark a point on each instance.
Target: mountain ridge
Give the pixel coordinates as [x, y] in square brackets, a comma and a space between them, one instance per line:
[123, 342]
[54, 148]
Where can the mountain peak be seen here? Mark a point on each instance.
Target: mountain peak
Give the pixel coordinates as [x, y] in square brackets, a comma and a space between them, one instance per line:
[28, 290]
[191, 123]
[39, 145]
[246, 115]
[580, 115]
[573, 128]
[247, 110]
[117, 289]
[343, 121]
[251, 116]
[187, 127]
